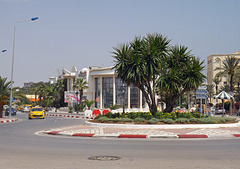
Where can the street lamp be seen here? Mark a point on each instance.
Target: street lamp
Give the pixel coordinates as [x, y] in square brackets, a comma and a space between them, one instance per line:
[123, 91]
[77, 100]
[32, 19]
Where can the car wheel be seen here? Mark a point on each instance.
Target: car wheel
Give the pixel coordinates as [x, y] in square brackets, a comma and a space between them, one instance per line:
[29, 118]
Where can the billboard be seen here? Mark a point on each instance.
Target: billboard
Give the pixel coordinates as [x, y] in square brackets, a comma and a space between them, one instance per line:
[71, 97]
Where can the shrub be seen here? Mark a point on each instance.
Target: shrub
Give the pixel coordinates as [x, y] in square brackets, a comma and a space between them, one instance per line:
[168, 121]
[126, 120]
[153, 121]
[229, 119]
[182, 120]
[139, 120]
[70, 109]
[104, 119]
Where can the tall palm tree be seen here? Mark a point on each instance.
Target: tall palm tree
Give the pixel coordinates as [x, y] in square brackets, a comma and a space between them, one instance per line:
[210, 88]
[58, 93]
[180, 72]
[4, 93]
[138, 63]
[80, 84]
[216, 80]
[230, 66]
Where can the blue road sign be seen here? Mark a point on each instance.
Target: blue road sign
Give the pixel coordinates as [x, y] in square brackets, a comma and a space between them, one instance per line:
[201, 91]
[201, 96]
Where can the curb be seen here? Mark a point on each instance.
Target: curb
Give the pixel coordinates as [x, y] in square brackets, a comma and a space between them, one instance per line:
[178, 136]
[69, 116]
[8, 121]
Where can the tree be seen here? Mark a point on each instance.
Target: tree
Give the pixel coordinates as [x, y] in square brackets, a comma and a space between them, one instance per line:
[180, 72]
[216, 80]
[89, 103]
[4, 93]
[80, 84]
[210, 91]
[230, 67]
[138, 63]
[58, 93]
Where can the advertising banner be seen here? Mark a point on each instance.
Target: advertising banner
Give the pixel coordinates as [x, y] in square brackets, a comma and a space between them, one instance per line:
[71, 97]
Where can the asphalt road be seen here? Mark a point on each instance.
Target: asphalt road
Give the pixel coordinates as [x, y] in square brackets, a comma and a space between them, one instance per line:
[20, 148]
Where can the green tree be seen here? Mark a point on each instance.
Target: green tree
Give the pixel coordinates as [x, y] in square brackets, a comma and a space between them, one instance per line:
[138, 63]
[216, 80]
[230, 67]
[210, 91]
[89, 103]
[80, 84]
[58, 93]
[4, 93]
[180, 72]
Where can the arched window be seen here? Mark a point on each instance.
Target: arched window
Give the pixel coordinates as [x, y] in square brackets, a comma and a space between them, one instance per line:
[217, 60]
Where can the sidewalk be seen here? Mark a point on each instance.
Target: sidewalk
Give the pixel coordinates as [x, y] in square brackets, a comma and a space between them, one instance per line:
[107, 131]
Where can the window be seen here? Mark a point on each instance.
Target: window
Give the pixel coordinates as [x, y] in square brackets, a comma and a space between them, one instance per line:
[217, 60]
[107, 87]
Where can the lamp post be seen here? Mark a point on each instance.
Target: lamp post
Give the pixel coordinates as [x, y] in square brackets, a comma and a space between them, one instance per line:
[123, 91]
[77, 100]
[32, 19]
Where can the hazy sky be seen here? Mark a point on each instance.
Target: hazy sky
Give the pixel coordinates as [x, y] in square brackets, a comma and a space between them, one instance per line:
[82, 33]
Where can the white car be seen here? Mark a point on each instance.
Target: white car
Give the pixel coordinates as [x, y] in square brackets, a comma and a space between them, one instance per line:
[25, 109]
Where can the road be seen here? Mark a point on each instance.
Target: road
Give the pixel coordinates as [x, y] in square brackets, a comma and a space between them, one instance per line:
[20, 148]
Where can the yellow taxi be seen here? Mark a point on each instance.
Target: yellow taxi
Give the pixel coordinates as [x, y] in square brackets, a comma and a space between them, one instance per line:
[36, 112]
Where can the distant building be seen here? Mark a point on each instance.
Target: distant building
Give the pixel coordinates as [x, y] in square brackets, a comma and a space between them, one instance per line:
[214, 61]
[28, 84]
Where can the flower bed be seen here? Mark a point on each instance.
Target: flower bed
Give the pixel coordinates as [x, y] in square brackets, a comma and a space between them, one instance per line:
[162, 118]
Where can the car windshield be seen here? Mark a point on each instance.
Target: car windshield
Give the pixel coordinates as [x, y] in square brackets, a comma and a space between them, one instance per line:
[36, 109]
[9, 109]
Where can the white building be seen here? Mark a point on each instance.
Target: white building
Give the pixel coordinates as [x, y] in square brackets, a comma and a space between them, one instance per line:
[105, 87]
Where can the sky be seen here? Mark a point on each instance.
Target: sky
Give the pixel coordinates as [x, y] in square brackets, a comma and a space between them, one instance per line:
[82, 33]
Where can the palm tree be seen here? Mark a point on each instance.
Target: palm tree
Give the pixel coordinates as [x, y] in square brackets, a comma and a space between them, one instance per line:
[180, 72]
[89, 103]
[216, 80]
[138, 63]
[210, 91]
[80, 84]
[4, 93]
[230, 66]
[58, 93]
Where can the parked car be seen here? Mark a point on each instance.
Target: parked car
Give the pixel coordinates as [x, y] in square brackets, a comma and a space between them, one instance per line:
[13, 112]
[36, 112]
[26, 109]
[220, 111]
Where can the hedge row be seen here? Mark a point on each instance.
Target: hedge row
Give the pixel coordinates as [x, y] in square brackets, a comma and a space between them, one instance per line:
[203, 120]
[159, 115]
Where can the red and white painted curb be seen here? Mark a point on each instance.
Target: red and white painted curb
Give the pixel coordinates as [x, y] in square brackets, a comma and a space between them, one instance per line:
[177, 136]
[8, 120]
[69, 116]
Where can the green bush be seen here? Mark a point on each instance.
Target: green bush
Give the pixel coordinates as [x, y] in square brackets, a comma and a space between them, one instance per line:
[168, 121]
[153, 121]
[70, 109]
[104, 119]
[126, 120]
[182, 120]
[139, 119]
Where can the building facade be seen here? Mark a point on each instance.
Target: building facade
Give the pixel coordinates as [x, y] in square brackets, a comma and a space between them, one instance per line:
[105, 87]
[214, 61]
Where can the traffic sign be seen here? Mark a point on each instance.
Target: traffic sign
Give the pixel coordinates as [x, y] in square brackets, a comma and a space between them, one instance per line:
[201, 91]
[201, 96]
[202, 88]
[98, 99]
